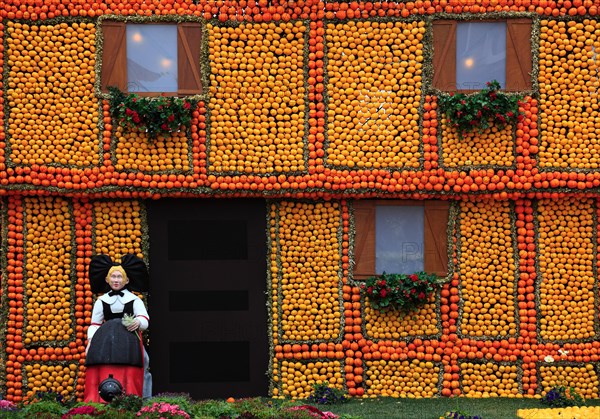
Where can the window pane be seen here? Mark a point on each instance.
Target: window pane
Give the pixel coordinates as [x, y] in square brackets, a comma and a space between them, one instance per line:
[152, 58]
[399, 239]
[480, 54]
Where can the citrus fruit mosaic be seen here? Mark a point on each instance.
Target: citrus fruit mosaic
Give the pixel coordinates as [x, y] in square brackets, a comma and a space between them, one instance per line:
[310, 106]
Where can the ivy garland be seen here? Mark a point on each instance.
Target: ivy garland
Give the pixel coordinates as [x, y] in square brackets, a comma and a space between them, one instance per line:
[158, 116]
[480, 110]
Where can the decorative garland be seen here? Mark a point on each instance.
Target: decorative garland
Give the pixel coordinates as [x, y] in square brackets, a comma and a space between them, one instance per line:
[480, 110]
[158, 116]
[400, 292]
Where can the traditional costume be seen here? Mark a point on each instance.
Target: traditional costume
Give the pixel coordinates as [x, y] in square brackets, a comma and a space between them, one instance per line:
[112, 349]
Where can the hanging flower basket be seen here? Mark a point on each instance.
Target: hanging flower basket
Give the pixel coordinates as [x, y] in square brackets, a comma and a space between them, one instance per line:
[400, 292]
[479, 111]
[158, 116]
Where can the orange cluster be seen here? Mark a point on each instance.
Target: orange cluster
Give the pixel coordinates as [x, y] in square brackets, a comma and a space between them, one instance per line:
[298, 377]
[489, 379]
[51, 378]
[374, 89]
[118, 228]
[53, 114]
[409, 378]
[394, 325]
[569, 79]
[48, 246]
[566, 265]
[582, 378]
[134, 151]
[493, 147]
[487, 270]
[257, 101]
[309, 303]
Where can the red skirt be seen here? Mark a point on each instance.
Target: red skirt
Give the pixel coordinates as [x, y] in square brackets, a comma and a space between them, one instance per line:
[131, 378]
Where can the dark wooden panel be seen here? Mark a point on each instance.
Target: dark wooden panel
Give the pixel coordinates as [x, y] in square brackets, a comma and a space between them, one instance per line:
[217, 298]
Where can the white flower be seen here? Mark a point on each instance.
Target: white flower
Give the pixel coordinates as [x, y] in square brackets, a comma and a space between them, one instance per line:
[548, 358]
[563, 352]
[127, 320]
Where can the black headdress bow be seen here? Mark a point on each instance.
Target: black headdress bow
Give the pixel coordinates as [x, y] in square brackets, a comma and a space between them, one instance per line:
[135, 268]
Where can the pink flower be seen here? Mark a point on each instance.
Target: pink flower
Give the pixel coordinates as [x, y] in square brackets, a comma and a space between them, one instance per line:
[7, 405]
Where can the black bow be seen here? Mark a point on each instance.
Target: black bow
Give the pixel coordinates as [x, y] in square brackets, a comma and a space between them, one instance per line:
[120, 293]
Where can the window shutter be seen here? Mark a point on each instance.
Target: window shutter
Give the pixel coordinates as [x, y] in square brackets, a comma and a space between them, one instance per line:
[444, 55]
[436, 237]
[518, 54]
[364, 239]
[188, 58]
[114, 55]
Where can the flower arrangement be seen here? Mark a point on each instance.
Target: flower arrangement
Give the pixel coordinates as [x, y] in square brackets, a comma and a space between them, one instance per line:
[479, 111]
[87, 410]
[561, 396]
[7, 405]
[159, 116]
[400, 292]
[162, 410]
[324, 394]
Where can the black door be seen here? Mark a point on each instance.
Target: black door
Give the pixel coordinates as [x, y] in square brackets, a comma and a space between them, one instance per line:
[207, 303]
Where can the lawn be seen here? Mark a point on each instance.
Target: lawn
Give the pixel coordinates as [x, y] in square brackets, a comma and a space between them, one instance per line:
[392, 408]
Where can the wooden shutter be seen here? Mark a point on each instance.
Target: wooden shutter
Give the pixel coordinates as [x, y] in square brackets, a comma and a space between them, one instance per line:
[436, 237]
[518, 54]
[189, 41]
[364, 239]
[444, 55]
[114, 55]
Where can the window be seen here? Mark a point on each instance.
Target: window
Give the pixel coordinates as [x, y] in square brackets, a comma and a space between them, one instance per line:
[398, 236]
[152, 58]
[467, 54]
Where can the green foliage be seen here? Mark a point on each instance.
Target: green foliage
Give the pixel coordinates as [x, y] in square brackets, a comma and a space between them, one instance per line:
[159, 116]
[254, 408]
[400, 291]
[561, 396]
[214, 409]
[323, 393]
[481, 110]
[43, 409]
[129, 402]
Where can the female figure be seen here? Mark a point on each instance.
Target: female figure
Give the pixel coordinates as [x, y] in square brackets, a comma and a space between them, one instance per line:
[114, 337]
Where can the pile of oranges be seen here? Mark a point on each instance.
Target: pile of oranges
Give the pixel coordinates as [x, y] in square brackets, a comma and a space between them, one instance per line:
[394, 325]
[489, 379]
[48, 245]
[135, 152]
[298, 377]
[583, 378]
[53, 113]
[258, 98]
[487, 269]
[493, 147]
[374, 87]
[566, 264]
[309, 256]
[569, 79]
[118, 228]
[407, 378]
[51, 378]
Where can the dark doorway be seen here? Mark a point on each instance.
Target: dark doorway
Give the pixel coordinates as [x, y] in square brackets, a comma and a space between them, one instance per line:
[208, 315]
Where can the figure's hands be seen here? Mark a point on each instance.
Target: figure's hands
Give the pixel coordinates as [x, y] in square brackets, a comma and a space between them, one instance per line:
[134, 325]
